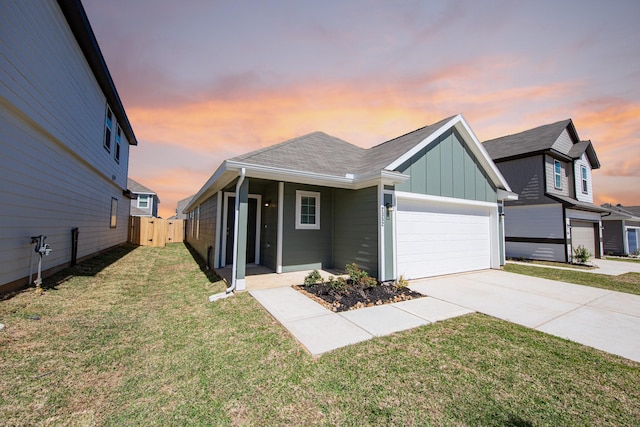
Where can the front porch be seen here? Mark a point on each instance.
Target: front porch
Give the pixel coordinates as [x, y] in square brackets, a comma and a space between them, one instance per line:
[260, 277]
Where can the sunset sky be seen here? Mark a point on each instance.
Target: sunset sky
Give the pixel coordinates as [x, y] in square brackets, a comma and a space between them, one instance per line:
[205, 80]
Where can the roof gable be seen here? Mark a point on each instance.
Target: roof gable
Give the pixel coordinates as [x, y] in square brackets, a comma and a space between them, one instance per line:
[137, 188]
[530, 141]
[447, 167]
[585, 147]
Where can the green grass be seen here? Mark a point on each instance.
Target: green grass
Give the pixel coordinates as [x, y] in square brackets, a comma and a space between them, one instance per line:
[130, 339]
[629, 282]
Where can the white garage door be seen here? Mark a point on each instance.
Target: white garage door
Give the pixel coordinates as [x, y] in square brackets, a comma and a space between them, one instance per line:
[582, 233]
[435, 239]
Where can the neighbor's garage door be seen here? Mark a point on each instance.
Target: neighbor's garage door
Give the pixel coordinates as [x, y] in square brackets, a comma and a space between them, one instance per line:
[582, 233]
[435, 239]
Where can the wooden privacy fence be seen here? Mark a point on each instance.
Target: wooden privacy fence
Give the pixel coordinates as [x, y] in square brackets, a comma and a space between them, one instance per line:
[146, 231]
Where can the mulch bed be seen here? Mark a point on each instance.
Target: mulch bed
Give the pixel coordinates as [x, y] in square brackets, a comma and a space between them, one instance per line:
[356, 296]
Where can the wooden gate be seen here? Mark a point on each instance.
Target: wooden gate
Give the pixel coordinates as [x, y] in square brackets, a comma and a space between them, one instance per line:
[145, 231]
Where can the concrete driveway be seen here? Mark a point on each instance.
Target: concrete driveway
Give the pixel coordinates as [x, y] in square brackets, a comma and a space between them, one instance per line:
[603, 319]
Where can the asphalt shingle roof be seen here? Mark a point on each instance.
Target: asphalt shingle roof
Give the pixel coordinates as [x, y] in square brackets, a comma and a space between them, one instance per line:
[137, 188]
[530, 141]
[320, 153]
[316, 152]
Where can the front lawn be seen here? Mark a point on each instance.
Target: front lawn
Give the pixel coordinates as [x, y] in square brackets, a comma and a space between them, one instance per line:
[130, 339]
[628, 282]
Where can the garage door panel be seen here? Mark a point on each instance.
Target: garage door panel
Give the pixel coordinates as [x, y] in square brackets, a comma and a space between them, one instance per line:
[437, 239]
[582, 233]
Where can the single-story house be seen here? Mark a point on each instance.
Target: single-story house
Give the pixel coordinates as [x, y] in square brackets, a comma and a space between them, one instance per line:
[423, 204]
[621, 230]
[550, 168]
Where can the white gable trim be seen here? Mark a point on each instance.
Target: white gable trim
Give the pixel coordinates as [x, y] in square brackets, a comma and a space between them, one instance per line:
[472, 142]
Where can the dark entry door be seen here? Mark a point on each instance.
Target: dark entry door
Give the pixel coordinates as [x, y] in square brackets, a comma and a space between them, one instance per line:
[251, 230]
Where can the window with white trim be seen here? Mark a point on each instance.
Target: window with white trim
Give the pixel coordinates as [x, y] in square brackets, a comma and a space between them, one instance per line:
[197, 221]
[557, 174]
[143, 201]
[108, 126]
[585, 183]
[116, 151]
[114, 212]
[307, 210]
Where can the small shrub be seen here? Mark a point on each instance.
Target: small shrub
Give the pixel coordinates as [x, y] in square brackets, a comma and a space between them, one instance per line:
[402, 282]
[313, 278]
[338, 285]
[581, 254]
[360, 277]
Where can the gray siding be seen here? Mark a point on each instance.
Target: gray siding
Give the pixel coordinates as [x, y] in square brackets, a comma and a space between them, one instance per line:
[206, 237]
[526, 178]
[54, 172]
[356, 229]
[536, 221]
[612, 237]
[307, 249]
[567, 178]
[447, 168]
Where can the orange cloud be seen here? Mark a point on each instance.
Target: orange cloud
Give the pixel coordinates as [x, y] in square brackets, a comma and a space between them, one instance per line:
[366, 113]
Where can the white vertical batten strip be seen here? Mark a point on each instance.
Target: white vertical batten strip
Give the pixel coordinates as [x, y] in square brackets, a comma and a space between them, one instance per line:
[280, 225]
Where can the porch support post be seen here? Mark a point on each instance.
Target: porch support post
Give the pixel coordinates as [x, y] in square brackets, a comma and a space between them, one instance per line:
[280, 224]
[242, 214]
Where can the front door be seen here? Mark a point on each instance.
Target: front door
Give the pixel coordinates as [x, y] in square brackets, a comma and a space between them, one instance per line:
[632, 238]
[251, 229]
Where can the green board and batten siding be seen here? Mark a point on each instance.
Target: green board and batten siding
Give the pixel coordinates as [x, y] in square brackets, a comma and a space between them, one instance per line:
[307, 249]
[447, 168]
[356, 229]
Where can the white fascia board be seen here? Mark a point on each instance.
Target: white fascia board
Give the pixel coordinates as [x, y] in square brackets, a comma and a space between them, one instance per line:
[505, 195]
[425, 142]
[445, 200]
[348, 182]
[213, 184]
[230, 169]
[290, 175]
[473, 143]
[383, 177]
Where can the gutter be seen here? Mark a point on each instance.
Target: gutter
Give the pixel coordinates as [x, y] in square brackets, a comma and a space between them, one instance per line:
[229, 291]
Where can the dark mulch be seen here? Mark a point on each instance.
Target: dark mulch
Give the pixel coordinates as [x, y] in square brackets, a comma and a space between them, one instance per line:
[357, 296]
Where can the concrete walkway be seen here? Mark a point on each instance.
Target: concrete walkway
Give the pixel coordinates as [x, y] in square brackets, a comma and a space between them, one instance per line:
[605, 266]
[603, 319]
[321, 330]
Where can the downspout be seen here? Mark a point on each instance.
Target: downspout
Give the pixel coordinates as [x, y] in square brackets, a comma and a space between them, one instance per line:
[229, 291]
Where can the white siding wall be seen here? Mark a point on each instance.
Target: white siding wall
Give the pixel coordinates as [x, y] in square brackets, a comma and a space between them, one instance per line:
[564, 142]
[583, 197]
[534, 221]
[54, 172]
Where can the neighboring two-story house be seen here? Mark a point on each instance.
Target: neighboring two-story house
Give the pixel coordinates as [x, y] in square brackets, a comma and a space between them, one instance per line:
[551, 170]
[65, 141]
[181, 205]
[144, 202]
